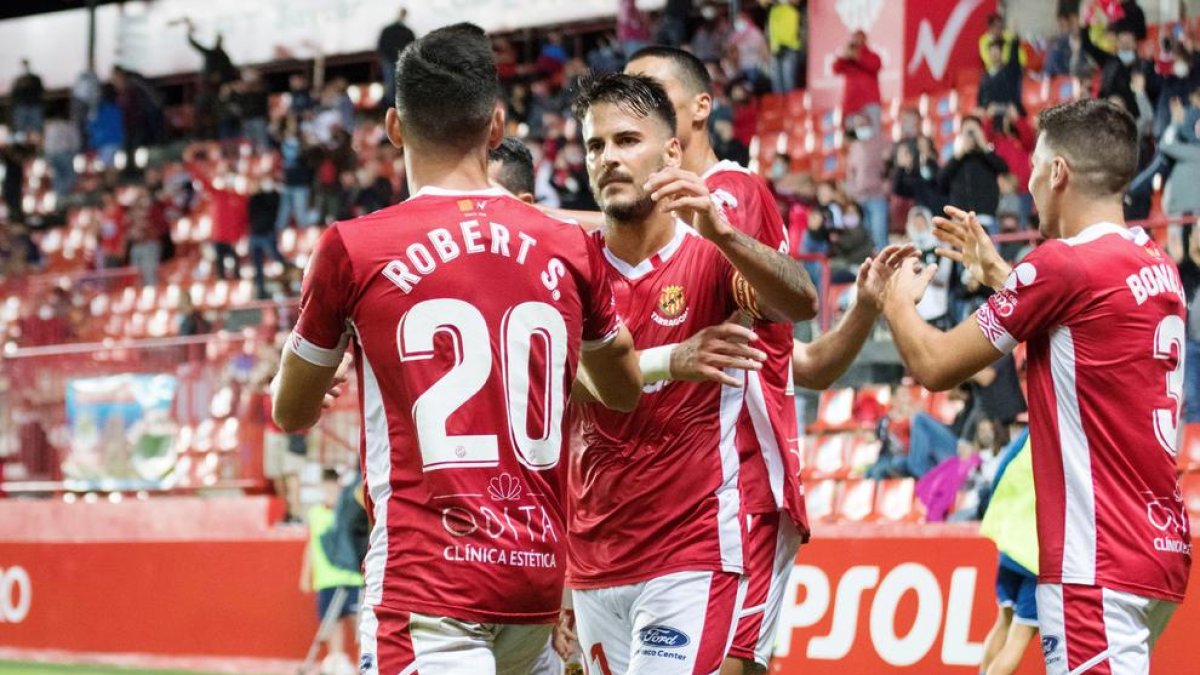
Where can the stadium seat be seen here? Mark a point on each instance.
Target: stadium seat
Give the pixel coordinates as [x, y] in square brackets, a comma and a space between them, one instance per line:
[160, 324]
[770, 113]
[147, 299]
[856, 503]
[942, 407]
[820, 499]
[835, 409]
[1035, 93]
[796, 107]
[896, 500]
[227, 437]
[829, 454]
[1062, 88]
[864, 452]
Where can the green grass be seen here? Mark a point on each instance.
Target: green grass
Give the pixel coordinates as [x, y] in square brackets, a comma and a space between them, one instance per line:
[20, 668]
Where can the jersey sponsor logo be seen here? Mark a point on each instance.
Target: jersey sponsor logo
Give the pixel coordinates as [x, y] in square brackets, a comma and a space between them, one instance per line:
[16, 594]
[663, 636]
[1006, 303]
[504, 488]
[1050, 645]
[1170, 517]
[672, 306]
[366, 663]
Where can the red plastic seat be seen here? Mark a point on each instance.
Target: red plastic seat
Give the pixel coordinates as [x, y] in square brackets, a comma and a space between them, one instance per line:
[896, 500]
[835, 409]
[820, 498]
[856, 503]
[828, 456]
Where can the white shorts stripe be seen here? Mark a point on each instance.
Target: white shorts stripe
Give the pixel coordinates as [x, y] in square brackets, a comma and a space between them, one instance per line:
[756, 403]
[1079, 528]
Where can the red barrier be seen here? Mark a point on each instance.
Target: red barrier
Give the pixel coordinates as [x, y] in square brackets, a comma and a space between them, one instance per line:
[864, 599]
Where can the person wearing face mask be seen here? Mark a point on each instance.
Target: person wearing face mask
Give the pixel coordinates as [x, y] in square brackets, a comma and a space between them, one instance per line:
[1179, 68]
[860, 66]
[750, 50]
[783, 25]
[865, 178]
[1116, 70]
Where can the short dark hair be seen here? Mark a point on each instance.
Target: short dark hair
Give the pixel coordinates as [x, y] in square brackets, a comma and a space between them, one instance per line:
[692, 71]
[1099, 141]
[516, 165]
[330, 475]
[446, 86]
[638, 95]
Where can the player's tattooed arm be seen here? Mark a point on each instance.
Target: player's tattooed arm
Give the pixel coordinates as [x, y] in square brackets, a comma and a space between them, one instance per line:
[782, 289]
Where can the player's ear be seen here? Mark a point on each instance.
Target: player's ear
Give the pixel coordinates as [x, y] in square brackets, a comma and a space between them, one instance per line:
[496, 132]
[1058, 173]
[673, 153]
[395, 132]
[701, 110]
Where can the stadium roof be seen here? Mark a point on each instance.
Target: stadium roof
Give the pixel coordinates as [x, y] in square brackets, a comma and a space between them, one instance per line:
[11, 9]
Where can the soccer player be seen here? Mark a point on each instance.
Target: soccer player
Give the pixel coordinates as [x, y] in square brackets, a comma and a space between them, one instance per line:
[772, 496]
[656, 544]
[1102, 310]
[510, 165]
[468, 312]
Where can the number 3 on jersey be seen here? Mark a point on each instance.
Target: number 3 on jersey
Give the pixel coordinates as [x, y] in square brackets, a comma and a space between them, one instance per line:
[468, 330]
[1169, 341]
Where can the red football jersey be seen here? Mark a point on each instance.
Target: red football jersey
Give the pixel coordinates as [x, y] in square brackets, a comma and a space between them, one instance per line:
[655, 491]
[467, 312]
[770, 470]
[1103, 313]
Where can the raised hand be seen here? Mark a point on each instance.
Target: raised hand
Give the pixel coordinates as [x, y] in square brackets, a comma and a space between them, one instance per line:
[685, 194]
[971, 246]
[874, 273]
[705, 356]
[908, 282]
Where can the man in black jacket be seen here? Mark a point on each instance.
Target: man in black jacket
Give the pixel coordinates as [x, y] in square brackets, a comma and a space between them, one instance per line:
[970, 179]
[1001, 84]
[392, 40]
[1116, 70]
[28, 98]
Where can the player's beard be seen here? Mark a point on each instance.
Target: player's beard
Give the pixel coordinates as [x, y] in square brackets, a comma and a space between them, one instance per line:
[628, 212]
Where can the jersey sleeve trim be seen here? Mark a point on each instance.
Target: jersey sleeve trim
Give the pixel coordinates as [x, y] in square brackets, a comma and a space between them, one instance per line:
[990, 325]
[598, 343]
[319, 356]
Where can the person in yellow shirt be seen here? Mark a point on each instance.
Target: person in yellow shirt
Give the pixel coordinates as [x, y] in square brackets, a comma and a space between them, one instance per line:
[1011, 522]
[787, 47]
[319, 575]
[996, 32]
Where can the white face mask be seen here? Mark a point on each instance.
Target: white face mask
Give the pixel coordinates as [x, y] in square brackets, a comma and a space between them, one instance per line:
[864, 133]
[1181, 70]
[739, 25]
[1126, 56]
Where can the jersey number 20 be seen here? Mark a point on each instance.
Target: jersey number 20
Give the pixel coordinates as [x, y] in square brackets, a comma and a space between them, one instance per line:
[468, 330]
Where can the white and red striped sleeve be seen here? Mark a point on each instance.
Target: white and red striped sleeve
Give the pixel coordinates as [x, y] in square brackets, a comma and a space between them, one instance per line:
[1038, 296]
[322, 331]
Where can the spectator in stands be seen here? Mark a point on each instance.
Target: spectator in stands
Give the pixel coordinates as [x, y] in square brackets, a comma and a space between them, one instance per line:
[61, 144]
[254, 104]
[787, 47]
[1183, 245]
[392, 40]
[145, 242]
[749, 52]
[672, 23]
[106, 129]
[141, 111]
[859, 66]
[263, 211]
[865, 177]
[298, 164]
[1127, 17]
[85, 96]
[374, 191]
[1182, 145]
[110, 232]
[1060, 49]
[969, 179]
[916, 174]
[935, 304]
[1008, 41]
[227, 210]
[570, 178]
[1013, 139]
[1180, 70]
[633, 30]
[28, 101]
[849, 245]
[191, 319]
[606, 57]
[709, 39]
[218, 67]
[1001, 83]
[1116, 70]
[336, 158]
[727, 146]
[300, 93]
[745, 112]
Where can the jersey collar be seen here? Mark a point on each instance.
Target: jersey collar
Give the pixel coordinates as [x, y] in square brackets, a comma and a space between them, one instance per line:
[435, 191]
[724, 165]
[632, 272]
[1095, 231]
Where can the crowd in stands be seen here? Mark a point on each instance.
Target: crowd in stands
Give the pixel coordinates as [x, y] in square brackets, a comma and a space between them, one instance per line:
[254, 173]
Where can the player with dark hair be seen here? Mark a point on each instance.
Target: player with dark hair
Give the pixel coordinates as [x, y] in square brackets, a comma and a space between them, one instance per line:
[656, 542]
[510, 165]
[463, 393]
[1102, 310]
[772, 495]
